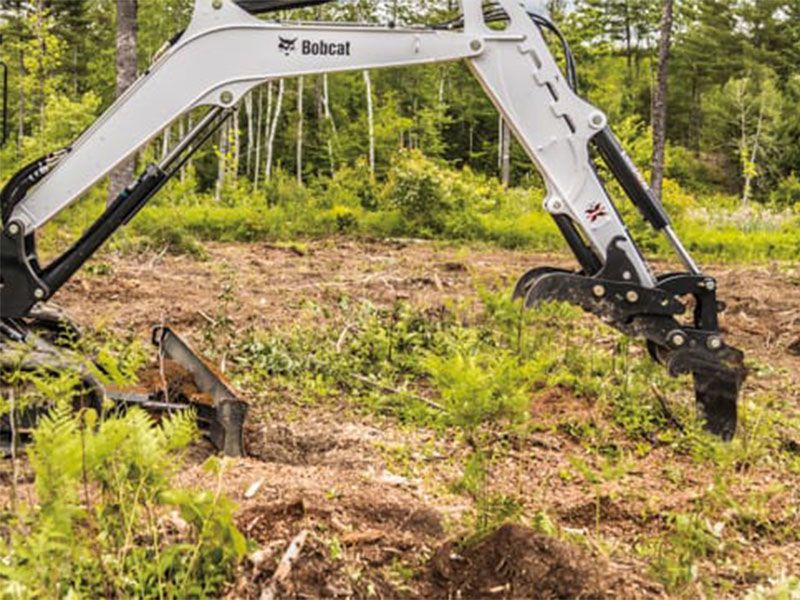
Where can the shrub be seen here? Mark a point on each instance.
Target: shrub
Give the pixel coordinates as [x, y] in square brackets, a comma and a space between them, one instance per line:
[787, 193]
[693, 171]
[415, 187]
[283, 190]
[352, 186]
[480, 386]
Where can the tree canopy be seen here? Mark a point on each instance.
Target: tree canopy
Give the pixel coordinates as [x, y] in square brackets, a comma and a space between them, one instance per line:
[734, 88]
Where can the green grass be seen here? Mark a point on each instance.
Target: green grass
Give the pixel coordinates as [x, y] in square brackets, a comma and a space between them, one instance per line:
[485, 365]
[422, 199]
[95, 525]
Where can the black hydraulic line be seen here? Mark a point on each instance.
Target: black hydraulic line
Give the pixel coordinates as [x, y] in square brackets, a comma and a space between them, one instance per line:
[257, 7]
[587, 258]
[9, 190]
[31, 174]
[569, 58]
[210, 123]
[628, 176]
[121, 210]
[130, 202]
[495, 14]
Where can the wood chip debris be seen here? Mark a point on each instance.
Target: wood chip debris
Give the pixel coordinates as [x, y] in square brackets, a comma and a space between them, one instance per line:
[285, 566]
[253, 489]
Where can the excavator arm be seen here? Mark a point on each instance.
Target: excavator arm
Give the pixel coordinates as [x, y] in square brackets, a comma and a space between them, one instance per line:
[226, 51]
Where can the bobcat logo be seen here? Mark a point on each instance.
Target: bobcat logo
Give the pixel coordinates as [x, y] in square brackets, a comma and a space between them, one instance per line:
[287, 46]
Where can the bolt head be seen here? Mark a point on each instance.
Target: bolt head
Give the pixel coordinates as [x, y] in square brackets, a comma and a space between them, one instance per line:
[626, 275]
[226, 97]
[216, 4]
[597, 120]
[632, 296]
[38, 293]
[13, 229]
[711, 285]
[599, 291]
[677, 339]
[714, 343]
[475, 45]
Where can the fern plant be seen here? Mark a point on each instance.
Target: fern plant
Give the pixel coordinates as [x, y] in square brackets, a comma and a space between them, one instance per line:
[98, 528]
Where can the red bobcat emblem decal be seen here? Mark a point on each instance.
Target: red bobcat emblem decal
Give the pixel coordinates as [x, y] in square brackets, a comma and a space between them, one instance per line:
[596, 212]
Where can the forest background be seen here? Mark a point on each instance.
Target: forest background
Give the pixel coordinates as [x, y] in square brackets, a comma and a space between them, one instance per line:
[421, 152]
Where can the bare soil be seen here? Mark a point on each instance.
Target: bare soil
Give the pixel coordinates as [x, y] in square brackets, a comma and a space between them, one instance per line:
[376, 528]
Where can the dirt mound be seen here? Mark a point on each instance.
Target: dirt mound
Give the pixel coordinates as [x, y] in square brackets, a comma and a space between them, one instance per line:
[352, 549]
[516, 562]
[360, 548]
[278, 443]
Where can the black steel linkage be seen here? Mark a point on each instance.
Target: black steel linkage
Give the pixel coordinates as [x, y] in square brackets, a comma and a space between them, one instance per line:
[636, 188]
[587, 258]
[630, 179]
[23, 282]
[130, 202]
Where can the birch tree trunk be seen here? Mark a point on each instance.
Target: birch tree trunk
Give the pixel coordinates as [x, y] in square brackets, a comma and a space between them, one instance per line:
[21, 110]
[326, 109]
[659, 107]
[181, 134]
[300, 124]
[370, 123]
[259, 111]
[268, 124]
[273, 128]
[222, 161]
[127, 34]
[248, 111]
[190, 162]
[40, 62]
[505, 153]
[750, 169]
[165, 139]
[237, 154]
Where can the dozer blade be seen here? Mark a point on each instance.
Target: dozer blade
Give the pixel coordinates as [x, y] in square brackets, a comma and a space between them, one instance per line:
[35, 345]
[225, 413]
